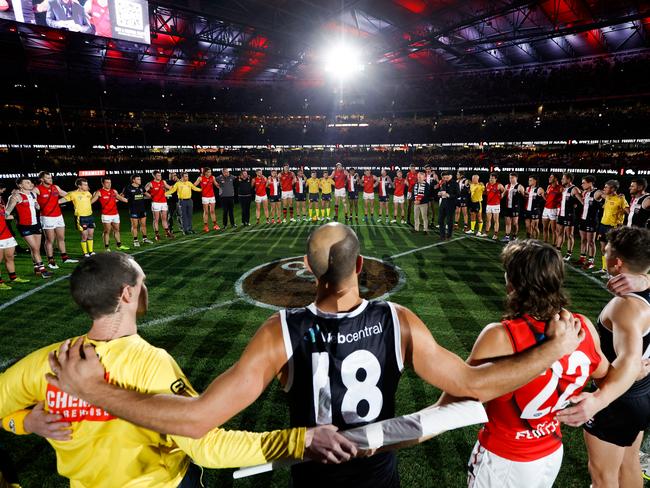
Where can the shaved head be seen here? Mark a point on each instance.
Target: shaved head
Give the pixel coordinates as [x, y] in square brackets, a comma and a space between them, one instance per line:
[332, 252]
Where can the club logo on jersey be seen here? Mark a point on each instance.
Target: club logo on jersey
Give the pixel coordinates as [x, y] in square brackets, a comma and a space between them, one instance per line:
[297, 287]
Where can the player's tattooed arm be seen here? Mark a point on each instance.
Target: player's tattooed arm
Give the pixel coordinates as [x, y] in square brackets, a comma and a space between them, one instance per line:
[445, 370]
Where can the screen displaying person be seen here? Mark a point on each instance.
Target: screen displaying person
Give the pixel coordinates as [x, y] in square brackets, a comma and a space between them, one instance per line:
[68, 15]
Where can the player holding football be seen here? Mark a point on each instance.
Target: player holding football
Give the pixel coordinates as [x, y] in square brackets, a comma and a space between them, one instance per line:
[108, 197]
[157, 188]
[208, 183]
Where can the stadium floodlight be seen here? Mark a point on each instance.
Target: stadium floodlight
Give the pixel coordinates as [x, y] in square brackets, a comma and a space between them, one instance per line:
[343, 60]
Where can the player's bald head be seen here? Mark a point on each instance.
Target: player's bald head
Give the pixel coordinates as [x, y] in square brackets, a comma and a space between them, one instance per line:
[332, 252]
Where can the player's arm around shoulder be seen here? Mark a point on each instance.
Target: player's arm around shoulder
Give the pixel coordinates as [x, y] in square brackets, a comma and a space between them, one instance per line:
[231, 392]
[493, 378]
[626, 315]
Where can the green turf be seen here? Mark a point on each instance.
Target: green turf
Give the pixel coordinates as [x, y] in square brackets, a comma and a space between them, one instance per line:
[456, 288]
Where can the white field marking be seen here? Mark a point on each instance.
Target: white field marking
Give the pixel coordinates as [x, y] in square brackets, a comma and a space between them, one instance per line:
[577, 270]
[418, 249]
[29, 293]
[187, 313]
[239, 284]
[590, 277]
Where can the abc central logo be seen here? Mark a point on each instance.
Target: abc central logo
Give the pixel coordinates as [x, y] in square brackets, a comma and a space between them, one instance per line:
[287, 283]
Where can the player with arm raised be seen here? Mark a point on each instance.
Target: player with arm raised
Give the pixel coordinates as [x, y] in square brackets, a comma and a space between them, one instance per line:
[318, 353]
[108, 197]
[157, 188]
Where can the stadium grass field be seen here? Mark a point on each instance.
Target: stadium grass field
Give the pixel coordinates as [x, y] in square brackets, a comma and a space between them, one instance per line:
[456, 287]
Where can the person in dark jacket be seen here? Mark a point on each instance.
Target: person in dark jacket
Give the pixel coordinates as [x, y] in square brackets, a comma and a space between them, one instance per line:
[245, 191]
[448, 192]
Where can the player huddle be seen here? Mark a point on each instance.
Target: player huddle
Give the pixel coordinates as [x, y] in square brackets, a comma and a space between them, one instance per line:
[340, 360]
[561, 206]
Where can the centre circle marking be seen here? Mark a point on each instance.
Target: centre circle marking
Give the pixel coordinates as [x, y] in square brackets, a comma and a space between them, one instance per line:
[287, 283]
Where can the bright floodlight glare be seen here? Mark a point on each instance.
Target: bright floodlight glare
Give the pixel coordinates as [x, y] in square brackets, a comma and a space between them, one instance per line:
[342, 61]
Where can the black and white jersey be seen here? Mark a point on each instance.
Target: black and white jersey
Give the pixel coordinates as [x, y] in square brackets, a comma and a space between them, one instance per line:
[590, 207]
[511, 196]
[639, 216]
[343, 369]
[568, 202]
[534, 202]
[607, 345]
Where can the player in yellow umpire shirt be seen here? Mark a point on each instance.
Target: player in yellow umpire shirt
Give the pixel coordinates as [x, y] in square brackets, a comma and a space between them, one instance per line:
[103, 451]
[615, 207]
[326, 184]
[83, 211]
[184, 188]
[313, 186]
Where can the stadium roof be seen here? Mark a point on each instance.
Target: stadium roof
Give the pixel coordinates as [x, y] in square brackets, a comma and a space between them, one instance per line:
[277, 40]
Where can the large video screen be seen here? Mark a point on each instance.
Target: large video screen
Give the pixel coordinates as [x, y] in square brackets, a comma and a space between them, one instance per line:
[118, 19]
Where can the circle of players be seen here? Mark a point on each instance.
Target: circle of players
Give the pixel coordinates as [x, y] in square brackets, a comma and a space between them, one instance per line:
[561, 206]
